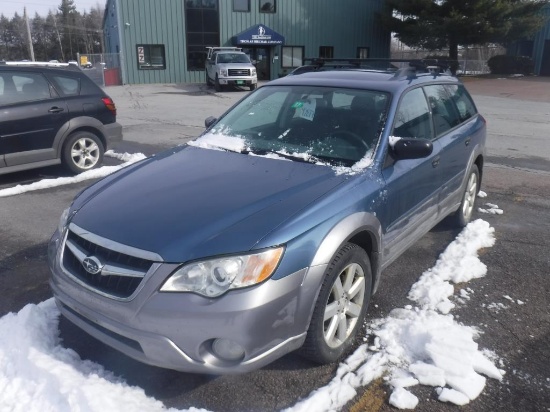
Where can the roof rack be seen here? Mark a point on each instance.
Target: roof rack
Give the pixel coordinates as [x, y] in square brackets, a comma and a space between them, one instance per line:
[414, 66]
[40, 64]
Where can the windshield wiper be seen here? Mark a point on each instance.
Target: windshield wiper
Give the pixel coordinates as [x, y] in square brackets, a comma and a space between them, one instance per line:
[289, 156]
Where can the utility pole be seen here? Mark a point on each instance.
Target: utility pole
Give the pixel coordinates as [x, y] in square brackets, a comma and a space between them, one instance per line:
[58, 38]
[31, 49]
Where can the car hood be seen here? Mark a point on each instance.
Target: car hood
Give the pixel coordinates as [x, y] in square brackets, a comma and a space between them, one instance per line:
[235, 66]
[192, 202]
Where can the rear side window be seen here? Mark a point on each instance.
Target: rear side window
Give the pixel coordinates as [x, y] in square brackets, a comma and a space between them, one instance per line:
[68, 86]
[462, 100]
[412, 119]
[23, 87]
[444, 112]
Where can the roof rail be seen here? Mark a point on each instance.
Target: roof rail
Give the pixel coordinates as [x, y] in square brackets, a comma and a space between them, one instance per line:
[414, 65]
[35, 64]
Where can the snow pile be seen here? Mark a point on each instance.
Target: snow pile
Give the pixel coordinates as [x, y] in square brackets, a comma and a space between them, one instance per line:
[423, 344]
[37, 374]
[491, 209]
[89, 174]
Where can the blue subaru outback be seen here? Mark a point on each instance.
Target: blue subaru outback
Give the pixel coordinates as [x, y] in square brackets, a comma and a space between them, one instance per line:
[270, 232]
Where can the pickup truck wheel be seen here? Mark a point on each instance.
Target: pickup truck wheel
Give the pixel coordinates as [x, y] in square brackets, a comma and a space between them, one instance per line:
[252, 86]
[82, 151]
[341, 306]
[464, 213]
[217, 84]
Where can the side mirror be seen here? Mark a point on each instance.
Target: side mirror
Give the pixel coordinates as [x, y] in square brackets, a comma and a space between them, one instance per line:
[406, 148]
[209, 121]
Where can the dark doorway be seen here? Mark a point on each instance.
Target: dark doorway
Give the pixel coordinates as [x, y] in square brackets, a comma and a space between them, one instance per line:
[261, 55]
[545, 63]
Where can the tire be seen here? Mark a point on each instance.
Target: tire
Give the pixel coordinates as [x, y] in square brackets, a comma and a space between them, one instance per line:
[464, 213]
[207, 78]
[217, 84]
[82, 151]
[252, 86]
[340, 307]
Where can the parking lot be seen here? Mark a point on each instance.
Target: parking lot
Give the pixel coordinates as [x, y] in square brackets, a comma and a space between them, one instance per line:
[516, 178]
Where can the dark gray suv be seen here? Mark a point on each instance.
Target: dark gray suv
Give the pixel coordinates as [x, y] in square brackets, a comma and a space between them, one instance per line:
[51, 114]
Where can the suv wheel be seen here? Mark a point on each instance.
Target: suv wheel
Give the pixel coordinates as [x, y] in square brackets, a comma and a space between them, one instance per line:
[217, 84]
[464, 213]
[82, 151]
[340, 307]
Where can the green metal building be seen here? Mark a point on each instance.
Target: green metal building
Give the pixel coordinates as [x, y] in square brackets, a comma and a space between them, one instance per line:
[541, 46]
[164, 41]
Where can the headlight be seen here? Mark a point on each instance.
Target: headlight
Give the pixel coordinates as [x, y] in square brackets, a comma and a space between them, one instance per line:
[223, 72]
[214, 277]
[253, 71]
[63, 220]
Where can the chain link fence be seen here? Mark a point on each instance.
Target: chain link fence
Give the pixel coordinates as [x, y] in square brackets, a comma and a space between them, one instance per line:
[103, 69]
[472, 60]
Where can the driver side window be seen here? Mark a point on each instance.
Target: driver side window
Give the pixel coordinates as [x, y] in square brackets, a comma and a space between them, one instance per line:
[412, 119]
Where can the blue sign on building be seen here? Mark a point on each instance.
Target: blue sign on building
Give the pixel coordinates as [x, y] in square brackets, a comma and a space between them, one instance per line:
[259, 34]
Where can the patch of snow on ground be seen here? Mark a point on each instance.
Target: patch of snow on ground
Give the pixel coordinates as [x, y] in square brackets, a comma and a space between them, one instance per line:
[89, 174]
[481, 194]
[38, 374]
[491, 209]
[421, 343]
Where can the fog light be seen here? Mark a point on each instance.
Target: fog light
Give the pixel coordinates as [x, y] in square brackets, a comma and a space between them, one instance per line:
[227, 350]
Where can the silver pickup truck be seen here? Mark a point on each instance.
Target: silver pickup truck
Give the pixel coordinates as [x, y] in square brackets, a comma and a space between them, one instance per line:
[229, 65]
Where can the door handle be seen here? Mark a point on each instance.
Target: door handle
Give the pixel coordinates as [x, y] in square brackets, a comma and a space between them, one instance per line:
[467, 141]
[56, 109]
[435, 162]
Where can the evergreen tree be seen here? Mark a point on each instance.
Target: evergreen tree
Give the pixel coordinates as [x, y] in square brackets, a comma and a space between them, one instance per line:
[439, 24]
[66, 18]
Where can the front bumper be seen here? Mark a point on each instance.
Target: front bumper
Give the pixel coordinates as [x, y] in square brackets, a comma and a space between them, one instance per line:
[175, 330]
[238, 81]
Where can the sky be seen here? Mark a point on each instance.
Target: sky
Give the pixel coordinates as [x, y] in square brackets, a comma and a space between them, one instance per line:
[419, 344]
[9, 7]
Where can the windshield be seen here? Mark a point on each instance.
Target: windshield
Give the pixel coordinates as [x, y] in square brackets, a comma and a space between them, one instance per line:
[233, 58]
[334, 126]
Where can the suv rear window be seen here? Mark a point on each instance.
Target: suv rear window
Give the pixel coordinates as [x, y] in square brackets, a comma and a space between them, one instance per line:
[68, 86]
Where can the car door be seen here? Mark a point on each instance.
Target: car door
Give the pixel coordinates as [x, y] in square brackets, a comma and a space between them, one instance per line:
[412, 185]
[31, 114]
[211, 66]
[458, 130]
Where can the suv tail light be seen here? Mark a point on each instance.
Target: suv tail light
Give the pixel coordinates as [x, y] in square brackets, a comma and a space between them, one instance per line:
[109, 104]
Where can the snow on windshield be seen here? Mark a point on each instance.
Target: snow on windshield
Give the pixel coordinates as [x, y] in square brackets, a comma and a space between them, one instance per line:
[333, 127]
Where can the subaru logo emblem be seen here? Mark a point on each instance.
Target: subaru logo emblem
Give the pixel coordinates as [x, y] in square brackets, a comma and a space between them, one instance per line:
[92, 265]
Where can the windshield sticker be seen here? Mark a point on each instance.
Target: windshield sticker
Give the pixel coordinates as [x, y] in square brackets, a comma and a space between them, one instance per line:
[308, 110]
[297, 105]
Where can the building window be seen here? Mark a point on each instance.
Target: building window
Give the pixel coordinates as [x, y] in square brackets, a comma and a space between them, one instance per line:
[326, 52]
[241, 5]
[268, 6]
[363, 52]
[151, 57]
[203, 30]
[293, 56]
